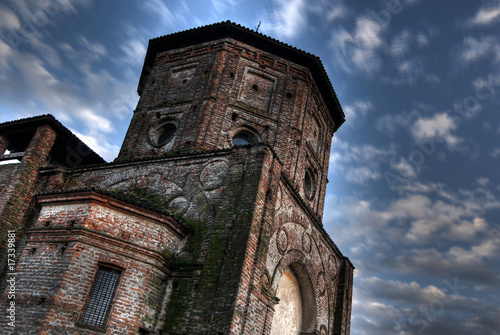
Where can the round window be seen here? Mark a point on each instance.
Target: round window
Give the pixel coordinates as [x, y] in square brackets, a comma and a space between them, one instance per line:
[309, 184]
[166, 133]
[162, 134]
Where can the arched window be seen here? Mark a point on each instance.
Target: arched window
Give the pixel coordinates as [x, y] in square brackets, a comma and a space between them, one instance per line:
[244, 136]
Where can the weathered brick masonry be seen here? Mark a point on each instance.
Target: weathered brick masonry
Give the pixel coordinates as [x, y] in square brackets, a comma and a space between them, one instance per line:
[215, 199]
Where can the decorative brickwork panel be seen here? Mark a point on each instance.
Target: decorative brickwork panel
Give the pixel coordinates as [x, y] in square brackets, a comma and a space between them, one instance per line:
[181, 83]
[257, 89]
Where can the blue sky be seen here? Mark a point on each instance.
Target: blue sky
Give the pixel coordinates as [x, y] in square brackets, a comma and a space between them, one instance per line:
[414, 195]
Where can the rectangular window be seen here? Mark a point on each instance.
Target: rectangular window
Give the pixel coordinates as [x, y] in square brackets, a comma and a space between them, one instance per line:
[102, 294]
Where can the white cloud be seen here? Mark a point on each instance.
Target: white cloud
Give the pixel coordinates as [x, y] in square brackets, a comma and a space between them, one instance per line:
[495, 153]
[486, 16]
[439, 127]
[361, 48]
[406, 67]
[94, 50]
[395, 307]
[9, 20]
[287, 20]
[466, 229]
[357, 109]
[46, 52]
[422, 40]
[222, 6]
[483, 181]
[440, 216]
[368, 33]
[88, 99]
[347, 153]
[134, 51]
[361, 175]
[418, 219]
[400, 44]
[414, 207]
[358, 164]
[474, 49]
[34, 16]
[410, 70]
[158, 7]
[337, 12]
[96, 123]
[100, 144]
[83, 52]
[404, 167]
[6, 53]
[476, 254]
[411, 292]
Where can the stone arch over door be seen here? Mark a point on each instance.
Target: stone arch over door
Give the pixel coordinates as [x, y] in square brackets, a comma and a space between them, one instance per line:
[296, 311]
[296, 241]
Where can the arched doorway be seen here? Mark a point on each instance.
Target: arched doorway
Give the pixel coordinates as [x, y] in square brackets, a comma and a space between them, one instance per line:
[296, 311]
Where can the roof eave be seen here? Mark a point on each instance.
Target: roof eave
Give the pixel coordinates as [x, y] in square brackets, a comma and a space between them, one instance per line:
[48, 119]
[232, 30]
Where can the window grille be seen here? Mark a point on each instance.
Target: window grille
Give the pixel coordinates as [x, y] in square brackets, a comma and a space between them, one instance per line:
[101, 296]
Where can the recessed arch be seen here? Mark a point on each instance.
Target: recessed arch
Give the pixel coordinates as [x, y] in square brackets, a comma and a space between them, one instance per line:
[309, 183]
[162, 133]
[296, 311]
[244, 135]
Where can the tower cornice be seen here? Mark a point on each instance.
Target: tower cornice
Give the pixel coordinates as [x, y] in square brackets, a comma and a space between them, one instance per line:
[245, 35]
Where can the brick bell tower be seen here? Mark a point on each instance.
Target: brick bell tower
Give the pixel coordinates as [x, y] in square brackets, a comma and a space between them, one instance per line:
[210, 219]
[261, 116]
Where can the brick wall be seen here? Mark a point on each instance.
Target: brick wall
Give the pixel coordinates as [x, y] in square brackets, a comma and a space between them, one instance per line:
[18, 191]
[74, 234]
[211, 90]
[243, 215]
[217, 192]
[290, 238]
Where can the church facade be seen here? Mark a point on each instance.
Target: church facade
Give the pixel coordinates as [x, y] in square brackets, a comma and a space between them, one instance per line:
[209, 221]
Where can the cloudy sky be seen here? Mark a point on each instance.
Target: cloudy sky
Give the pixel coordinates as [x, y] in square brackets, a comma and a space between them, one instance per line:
[414, 196]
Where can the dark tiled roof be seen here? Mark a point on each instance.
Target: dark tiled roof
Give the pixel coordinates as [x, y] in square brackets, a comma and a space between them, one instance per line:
[91, 157]
[230, 29]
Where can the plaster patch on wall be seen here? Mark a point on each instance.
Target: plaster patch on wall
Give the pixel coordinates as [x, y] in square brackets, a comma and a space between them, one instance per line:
[287, 318]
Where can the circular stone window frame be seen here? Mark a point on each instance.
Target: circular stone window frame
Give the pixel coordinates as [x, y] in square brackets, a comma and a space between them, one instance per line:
[244, 130]
[309, 184]
[157, 130]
